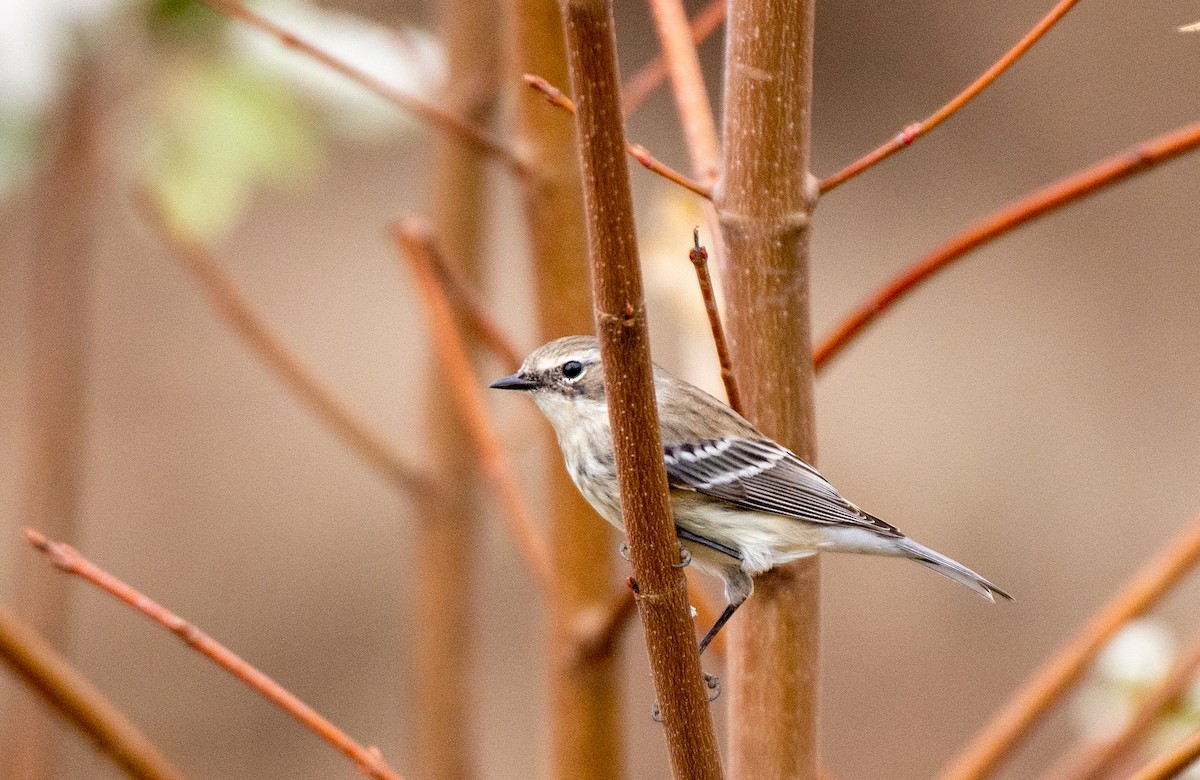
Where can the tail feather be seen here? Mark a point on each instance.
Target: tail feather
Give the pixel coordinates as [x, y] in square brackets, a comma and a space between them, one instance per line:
[952, 569]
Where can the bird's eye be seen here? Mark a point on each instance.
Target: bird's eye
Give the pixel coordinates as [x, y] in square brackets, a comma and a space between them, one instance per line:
[572, 369]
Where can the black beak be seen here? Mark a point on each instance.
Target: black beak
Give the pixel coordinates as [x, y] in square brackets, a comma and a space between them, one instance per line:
[514, 382]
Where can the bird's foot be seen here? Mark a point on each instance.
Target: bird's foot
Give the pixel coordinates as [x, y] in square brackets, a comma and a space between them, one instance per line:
[685, 558]
[711, 682]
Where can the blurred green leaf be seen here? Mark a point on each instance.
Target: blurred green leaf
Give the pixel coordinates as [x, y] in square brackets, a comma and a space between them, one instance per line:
[225, 128]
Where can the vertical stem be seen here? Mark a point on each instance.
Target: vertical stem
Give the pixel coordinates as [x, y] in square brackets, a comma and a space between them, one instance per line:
[625, 351]
[65, 227]
[586, 741]
[448, 531]
[764, 201]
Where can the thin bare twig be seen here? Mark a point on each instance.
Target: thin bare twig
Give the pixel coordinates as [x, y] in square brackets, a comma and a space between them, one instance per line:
[1131, 162]
[687, 83]
[366, 760]
[433, 115]
[237, 312]
[1009, 727]
[699, 257]
[1096, 760]
[1173, 762]
[416, 246]
[914, 131]
[654, 72]
[80, 702]
[555, 97]
[474, 314]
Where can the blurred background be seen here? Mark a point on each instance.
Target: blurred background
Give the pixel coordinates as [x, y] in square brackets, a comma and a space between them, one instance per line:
[1032, 413]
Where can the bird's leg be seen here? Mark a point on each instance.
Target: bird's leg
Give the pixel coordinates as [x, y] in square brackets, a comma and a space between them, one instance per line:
[712, 632]
[685, 558]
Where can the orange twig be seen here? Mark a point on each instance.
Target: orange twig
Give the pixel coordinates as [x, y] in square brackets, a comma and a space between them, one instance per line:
[914, 131]
[555, 97]
[1131, 162]
[367, 760]
[433, 115]
[699, 257]
[416, 245]
[80, 702]
[1010, 726]
[1174, 761]
[1097, 760]
[474, 313]
[236, 312]
[654, 72]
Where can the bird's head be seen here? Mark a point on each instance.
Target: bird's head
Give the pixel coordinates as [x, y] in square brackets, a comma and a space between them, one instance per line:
[562, 376]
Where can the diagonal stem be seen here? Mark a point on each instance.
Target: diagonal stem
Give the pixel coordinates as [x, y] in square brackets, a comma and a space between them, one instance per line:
[914, 131]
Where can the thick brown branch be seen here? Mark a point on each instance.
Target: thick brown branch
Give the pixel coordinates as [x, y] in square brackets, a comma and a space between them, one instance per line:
[914, 131]
[1013, 723]
[555, 97]
[80, 702]
[1131, 162]
[654, 72]
[1098, 760]
[699, 257]
[416, 245]
[367, 760]
[236, 312]
[764, 203]
[433, 115]
[625, 352]
[1174, 761]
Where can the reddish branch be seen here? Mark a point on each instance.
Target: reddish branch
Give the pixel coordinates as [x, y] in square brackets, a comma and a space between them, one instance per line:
[1173, 762]
[1098, 760]
[1131, 162]
[474, 314]
[367, 760]
[80, 702]
[555, 97]
[435, 116]
[1013, 723]
[416, 245]
[699, 257]
[654, 72]
[620, 313]
[237, 312]
[914, 131]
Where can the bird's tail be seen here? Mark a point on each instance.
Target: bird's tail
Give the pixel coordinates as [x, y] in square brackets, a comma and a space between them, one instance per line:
[952, 569]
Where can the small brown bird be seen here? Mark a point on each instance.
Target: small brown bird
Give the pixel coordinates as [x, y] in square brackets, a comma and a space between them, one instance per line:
[742, 503]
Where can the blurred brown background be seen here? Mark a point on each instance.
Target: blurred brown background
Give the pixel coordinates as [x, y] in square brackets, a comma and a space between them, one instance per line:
[1033, 413]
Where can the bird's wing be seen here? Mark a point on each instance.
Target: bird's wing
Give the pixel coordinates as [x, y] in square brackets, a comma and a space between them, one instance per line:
[762, 475]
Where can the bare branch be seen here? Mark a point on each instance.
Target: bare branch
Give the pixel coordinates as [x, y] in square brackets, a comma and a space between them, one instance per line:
[764, 202]
[1013, 723]
[625, 352]
[556, 97]
[1097, 760]
[236, 311]
[434, 116]
[80, 702]
[699, 257]
[1174, 761]
[416, 245]
[474, 314]
[918, 129]
[366, 760]
[1131, 162]
[654, 72]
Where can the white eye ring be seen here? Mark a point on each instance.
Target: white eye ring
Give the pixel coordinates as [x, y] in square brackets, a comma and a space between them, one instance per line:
[572, 370]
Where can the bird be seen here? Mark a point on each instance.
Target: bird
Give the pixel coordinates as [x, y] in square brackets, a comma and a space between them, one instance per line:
[742, 503]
